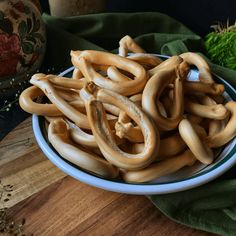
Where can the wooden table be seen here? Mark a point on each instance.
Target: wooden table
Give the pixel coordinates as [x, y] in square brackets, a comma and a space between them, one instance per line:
[55, 204]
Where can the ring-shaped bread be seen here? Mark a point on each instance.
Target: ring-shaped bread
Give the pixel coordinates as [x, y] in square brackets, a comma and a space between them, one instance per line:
[59, 137]
[93, 98]
[200, 150]
[84, 60]
[152, 92]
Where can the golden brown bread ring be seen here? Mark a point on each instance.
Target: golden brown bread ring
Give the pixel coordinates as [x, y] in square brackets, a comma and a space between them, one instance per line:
[196, 123]
[125, 129]
[58, 135]
[114, 74]
[103, 134]
[81, 137]
[205, 99]
[203, 68]
[171, 146]
[133, 148]
[178, 99]
[161, 168]
[27, 103]
[69, 95]
[152, 92]
[167, 104]
[228, 133]
[127, 44]
[191, 87]
[215, 126]
[216, 111]
[201, 151]
[123, 117]
[170, 62]
[145, 59]
[42, 81]
[129, 131]
[77, 74]
[111, 109]
[66, 82]
[162, 109]
[84, 59]
[137, 98]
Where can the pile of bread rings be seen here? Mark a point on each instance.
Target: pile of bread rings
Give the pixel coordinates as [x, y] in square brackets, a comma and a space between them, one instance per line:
[135, 116]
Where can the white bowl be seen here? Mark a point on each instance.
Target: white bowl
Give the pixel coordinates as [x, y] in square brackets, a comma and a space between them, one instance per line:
[184, 179]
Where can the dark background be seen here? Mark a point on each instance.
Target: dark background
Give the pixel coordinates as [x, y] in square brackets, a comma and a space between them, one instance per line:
[198, 15]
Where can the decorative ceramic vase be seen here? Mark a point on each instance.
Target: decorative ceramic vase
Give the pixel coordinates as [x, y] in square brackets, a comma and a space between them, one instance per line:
[22, 42]
[63, 8]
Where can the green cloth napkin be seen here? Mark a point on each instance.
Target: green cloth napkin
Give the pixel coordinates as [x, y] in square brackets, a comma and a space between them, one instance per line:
[211, 207]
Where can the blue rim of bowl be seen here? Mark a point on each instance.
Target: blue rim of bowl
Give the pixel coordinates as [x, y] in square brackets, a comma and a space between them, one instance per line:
[195, 180]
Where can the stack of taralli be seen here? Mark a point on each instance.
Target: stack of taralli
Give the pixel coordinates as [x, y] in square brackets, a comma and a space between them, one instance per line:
[135, 116]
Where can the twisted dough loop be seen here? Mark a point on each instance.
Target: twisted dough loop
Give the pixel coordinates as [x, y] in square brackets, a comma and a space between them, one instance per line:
[84, 59]
[128, 44]
[167, 103]
[27, 103]
[145, 59]
[42, 81]
[215, 111]
[129, 131]
[228, 133]
[102, 132]
[77, 74]
[161, 168]
[68, 98]
[58, 136]
[171, 146]
[81, 137]
[67, 82]
[88, 140]
[125, 129]
[168, 63]
[204, 70]
[114, 74]
[191, 87]
[152, 92]
[193, 141]
[215, 126]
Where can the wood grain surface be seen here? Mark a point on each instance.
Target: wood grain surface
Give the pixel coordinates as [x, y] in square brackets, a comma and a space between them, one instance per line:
[55, 204]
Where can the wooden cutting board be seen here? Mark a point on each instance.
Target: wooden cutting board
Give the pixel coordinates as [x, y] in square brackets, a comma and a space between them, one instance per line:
[55, 204]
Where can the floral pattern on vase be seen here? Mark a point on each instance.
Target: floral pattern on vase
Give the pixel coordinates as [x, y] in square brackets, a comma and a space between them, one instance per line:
[22, 38]
[9, 53]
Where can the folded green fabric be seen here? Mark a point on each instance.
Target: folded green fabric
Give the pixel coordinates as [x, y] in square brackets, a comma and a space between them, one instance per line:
[211, 207]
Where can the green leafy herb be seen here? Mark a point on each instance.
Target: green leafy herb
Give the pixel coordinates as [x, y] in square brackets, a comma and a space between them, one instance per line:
[221, 45]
